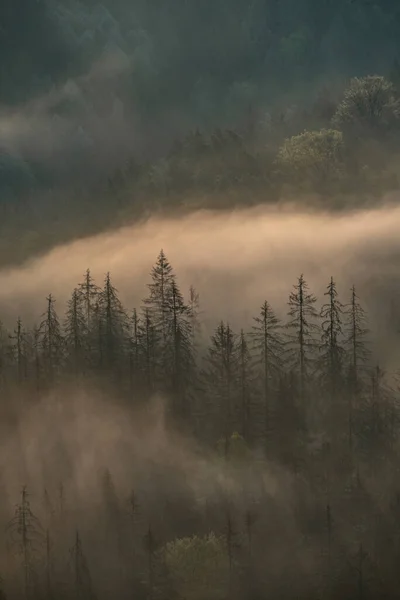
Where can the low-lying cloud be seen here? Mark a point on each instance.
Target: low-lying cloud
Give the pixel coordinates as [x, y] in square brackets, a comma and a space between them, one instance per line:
[235, 259]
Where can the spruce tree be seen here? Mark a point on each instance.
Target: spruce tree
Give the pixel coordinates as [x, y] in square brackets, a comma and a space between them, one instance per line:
[268, 347]
[19, 351]
[220, 378]
[179, 355]
[194, 313]
[332, 352]
[114, 327]
[76, 334]
[149, 343]
[302, 343]
[52, 342]
[356, 344]
[27, 536]
[81, 577]
[158, 301]
[89, 291]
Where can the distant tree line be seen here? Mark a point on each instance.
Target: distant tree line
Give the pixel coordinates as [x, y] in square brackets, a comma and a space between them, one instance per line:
[336, 149]
[238, 381]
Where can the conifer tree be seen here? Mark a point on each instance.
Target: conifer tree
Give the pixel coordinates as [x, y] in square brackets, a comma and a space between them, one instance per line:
[19, 351]
[148, 339]
[302, 344]
[194, 315]
[356, 332]
[89, 291]
[179, 351]
[158, 301]
[27, 536]
[356, 339]
[76, 334]
[221, 367]
[52, 342]
[96, 339]
[82, 581]
[268, 346]
[332, 351]
[114, 324]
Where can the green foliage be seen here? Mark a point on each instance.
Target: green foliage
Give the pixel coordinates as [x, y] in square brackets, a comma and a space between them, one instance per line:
[370, 107]
[198, 566]
[313, 159]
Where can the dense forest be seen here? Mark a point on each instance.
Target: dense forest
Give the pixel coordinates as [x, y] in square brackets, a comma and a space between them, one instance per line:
[272, 467]
[149, 107]
[142, 454]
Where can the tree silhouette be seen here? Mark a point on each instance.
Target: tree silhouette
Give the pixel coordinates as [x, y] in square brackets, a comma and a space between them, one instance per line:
[356, 333]
[114, 326]
[76, 334]
[302, 344]
[268, 345]
[82, 581]
[52, 342]
[220, 372]
[27, 537]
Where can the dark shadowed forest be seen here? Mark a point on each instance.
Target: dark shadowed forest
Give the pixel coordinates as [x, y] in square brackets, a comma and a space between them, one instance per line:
[233, 439]
[112, 111]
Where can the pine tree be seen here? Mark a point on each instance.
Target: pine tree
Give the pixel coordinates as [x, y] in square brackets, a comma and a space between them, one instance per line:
[220, 374]
[82, 581]
[76, 334]
[302, 344]
[19, 351]
[194, 315]
[96, 340]
[158, 301]
[90, 292]
[356, 333]
[332, 353]
[115, 327]
[268, 346]
[52, 343]
[27, 536]
[148, 339]
[179, 351]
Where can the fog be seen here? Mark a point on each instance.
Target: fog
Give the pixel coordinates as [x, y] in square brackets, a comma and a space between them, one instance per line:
[75, 436]
[235, 259]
